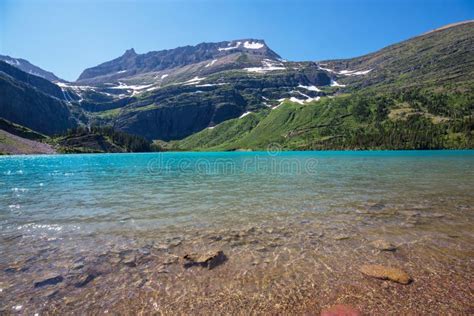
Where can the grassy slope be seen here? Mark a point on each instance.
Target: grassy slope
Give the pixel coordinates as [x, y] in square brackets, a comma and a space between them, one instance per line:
[344, 122]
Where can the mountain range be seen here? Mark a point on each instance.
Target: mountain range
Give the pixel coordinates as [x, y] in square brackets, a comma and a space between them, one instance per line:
[241, 95]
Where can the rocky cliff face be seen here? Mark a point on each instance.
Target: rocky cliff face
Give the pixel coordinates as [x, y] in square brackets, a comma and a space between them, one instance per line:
[33, 102]
[179, 110]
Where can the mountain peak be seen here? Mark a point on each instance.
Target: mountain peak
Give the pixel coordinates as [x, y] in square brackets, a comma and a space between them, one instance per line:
[130, 52]
[153, 61]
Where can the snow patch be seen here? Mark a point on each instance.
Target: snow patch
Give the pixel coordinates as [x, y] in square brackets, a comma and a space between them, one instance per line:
[77, 89]
[164, 76]
[245, 114]
[310, 88]
[279, 104]
[327, 69]
[210, 84]
[135, 88]
[300, 101]
[253, 45]
[13, 62]
[347, 72]
[195, 80]
[152, 88]
[296, 100]
[211, 63]
[354, 72]
[267, 65]
[335, 84]
[124, 86]
[230, 47]
[61, 84]
[306, 99]
[121, 71]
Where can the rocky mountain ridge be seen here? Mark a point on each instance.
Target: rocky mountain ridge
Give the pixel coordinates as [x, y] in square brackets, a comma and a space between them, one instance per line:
[173, 94]
[29, 68]
[131, 64]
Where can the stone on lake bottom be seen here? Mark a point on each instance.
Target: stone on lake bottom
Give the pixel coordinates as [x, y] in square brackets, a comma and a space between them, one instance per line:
[128, 258]
[383, 245]
[386, 273]
[84, 279]
[341, 237]
[49, 280]
[208, 260]
[376, 206]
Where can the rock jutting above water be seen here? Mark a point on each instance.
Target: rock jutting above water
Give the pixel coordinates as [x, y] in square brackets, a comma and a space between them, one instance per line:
[386, 273]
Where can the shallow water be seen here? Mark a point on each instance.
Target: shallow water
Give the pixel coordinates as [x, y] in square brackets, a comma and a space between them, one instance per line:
[294, 226]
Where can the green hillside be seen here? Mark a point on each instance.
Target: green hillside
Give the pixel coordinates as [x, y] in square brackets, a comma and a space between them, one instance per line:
[415, 119]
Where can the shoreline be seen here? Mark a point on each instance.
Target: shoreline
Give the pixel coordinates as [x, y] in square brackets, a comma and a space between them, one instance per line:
[298, 267]
[466, 150]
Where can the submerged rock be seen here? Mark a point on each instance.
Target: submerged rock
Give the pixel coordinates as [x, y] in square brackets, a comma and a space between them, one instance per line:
[77, 265]
[50, 293]
[50, 279]
[383, 245]
[340, 310]
[17, 267]
[84, 279]
[208, 260]
[386, 273]
[341, 237]
[171, 259]
[128, 258]
[376, 206]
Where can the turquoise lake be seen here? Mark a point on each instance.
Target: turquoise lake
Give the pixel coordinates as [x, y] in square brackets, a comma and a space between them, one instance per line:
[264, 210]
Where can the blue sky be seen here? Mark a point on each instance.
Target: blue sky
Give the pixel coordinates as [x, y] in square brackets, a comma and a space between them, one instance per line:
[68, 36]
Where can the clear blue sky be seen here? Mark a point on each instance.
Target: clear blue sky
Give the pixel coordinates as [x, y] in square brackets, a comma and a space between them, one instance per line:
[68, 36]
